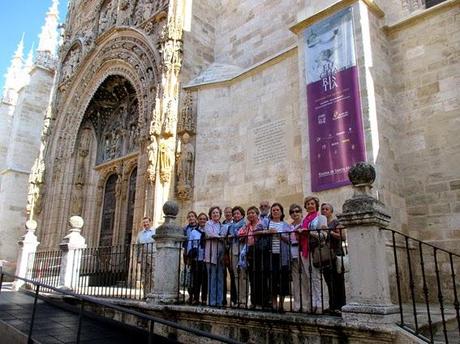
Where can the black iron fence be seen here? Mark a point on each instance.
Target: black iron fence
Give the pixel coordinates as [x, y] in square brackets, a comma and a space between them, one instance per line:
[45, 268]
[427, 284]
[266, 271]
[123, 271]
[85, 301]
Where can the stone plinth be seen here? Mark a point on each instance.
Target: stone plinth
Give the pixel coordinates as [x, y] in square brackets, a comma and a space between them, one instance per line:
[168, 239]
[365, 217]
[71, 247]
[27, 248]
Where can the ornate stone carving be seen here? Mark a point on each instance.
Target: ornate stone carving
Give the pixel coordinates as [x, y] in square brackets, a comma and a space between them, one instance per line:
[70, 63]
[185, 167]
[412, 5]
[36, 181]
[170, 47]
[165, 162]
[187, 118]
[81, 170]
[107, 16]
[152, 155]
[362, 173]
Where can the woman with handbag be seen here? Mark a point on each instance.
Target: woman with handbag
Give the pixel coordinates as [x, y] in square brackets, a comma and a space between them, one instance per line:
[334, 277]
[192, 224]
[214, 256]
[311, 235]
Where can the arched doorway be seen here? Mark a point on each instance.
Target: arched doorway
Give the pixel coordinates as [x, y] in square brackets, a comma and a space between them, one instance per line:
[109, 197]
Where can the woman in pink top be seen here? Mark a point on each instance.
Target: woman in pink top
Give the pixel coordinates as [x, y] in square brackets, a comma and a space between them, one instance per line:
[247, 234]
[313, 222]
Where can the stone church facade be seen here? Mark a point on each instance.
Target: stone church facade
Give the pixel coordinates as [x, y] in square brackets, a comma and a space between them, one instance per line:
[158, 100]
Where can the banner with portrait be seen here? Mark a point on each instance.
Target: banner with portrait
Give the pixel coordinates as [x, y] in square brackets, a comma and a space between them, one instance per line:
[336, 134]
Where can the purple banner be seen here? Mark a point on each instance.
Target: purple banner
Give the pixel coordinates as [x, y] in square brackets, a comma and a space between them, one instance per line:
[334, 108]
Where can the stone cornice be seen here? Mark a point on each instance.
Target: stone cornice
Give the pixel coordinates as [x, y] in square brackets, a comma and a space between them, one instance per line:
[418, 16]
[14, 170]
[300, 26]
[270, 61]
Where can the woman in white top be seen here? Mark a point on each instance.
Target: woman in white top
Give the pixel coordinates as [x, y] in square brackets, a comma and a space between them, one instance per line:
[279, 256]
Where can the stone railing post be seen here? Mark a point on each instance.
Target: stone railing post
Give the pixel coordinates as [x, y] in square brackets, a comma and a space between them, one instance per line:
[166, 274]
[364, 217]
[71, 247]
[27, 248]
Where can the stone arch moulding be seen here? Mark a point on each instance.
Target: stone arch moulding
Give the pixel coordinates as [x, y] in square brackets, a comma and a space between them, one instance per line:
[127, 53]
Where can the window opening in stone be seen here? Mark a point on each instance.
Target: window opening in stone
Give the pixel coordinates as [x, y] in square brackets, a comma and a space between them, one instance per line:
[108, 211]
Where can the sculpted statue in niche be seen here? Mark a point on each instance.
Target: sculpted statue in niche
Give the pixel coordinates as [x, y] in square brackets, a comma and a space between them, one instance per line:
[36, 180]
[187, 116]
[133, 139]
[80, 177]
[70, 64]
[106, 16]
[185, 167]
[142, 11]
[152, 155]
[165, 162]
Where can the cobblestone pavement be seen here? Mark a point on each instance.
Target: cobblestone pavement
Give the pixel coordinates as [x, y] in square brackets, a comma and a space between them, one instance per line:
[54, 325]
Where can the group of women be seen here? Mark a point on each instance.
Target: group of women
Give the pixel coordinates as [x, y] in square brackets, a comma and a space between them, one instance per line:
[266, 257]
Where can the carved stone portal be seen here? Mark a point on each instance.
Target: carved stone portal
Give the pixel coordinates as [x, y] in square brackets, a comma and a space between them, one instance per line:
[114, 114]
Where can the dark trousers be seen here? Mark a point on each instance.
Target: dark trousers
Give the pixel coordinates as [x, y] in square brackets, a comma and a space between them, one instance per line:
[233, 293]
[259, 277]
[199, 280]
[335, 286]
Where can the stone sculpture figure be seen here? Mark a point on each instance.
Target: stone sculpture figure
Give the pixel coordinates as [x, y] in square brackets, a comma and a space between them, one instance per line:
[152, 154]
[186, 161]
[105, 17]
[165, 162]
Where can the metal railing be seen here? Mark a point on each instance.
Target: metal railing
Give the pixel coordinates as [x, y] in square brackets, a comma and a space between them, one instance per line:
[265, 271]
[427, 282]
[46, 267]
[123, 271]
[91, 300]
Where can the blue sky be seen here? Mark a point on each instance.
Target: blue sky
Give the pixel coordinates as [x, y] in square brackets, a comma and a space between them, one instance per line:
[18, 17]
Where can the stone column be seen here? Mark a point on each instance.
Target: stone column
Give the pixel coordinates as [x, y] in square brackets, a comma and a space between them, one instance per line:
[27, 248]
[365, 217]
[168, 238]
[71, 247]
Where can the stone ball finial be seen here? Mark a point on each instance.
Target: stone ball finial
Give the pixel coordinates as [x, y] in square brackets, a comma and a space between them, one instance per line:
[362, 173]
[31, 225]
[170, 208]
[76, 222]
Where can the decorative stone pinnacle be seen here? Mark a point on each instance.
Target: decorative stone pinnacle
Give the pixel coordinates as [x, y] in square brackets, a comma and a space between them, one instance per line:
[31, 225]
[362, 174]
[76, 222]
[170, 209]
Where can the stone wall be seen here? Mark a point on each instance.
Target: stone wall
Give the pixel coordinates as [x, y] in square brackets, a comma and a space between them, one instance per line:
[23, 149]
[425, 66]
[248, 142]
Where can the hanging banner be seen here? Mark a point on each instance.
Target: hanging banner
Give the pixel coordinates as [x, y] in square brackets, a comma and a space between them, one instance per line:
[334, 109]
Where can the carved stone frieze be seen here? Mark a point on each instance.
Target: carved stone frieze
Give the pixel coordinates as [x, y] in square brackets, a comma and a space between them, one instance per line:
[107, 16]
[71, 62]
[129, 57]
[187, 117]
